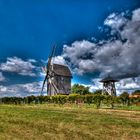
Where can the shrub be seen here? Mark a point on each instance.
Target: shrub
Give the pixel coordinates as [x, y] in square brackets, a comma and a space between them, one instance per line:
[59, 99]
[88, 98]
[97, 99]
[124, 98]
[110, 100]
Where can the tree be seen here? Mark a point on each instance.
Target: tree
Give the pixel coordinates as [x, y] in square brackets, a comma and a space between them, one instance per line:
[97, 100]
[124, 97]
[80, 89]
[98, 92]
[136, 92]
[110, 100]
[59, 99]
[89, 98]
[73, 97]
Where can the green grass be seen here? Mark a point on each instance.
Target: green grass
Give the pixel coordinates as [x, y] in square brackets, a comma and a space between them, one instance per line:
[135, 108]
[47, 122]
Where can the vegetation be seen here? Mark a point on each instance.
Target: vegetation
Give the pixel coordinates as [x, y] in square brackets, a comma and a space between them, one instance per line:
[53, 122]
[80, 89]
[124, 97]
[137, 92]
[98, 100]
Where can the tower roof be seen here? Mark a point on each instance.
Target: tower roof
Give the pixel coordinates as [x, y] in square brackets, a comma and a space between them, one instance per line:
[62, 70]
[109, 79]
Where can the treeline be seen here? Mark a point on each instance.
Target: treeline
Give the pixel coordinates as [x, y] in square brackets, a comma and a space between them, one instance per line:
[97, 99]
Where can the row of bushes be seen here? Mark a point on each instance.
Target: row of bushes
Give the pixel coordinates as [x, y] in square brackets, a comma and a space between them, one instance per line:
[96, 99]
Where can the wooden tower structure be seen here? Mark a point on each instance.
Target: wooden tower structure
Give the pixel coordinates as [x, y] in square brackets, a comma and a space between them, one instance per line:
[109, 86]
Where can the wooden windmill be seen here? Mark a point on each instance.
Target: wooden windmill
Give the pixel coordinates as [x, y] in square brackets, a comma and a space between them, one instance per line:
[58, 77]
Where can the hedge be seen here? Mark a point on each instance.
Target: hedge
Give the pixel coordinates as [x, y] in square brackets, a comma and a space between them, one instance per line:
[96, 99]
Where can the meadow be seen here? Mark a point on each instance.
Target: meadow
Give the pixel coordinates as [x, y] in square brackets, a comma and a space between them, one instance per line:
[67, 122]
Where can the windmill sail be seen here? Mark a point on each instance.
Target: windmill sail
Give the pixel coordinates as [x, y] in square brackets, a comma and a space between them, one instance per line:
[49, 72]
[43, 84]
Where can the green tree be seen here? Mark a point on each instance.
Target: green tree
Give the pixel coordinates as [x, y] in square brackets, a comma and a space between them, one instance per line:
[80, 89]
[124, 97]
[73, 97]
[137, 92]
[98, 92]
[97, 100]
[110, 100]
[89, 98]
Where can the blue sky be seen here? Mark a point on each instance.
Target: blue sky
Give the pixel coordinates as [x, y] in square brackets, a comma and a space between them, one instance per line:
[29, 28]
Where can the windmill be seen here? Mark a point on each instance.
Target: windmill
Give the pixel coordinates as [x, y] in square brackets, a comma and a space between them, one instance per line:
[58, 77]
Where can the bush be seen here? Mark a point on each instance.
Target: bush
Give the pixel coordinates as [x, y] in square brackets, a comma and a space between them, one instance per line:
[72, 98]
[59, 99]
[124, 98]
[88, 99]
[97, 99]
[109, 100]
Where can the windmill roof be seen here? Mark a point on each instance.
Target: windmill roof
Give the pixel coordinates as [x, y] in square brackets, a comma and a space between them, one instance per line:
[62, 70]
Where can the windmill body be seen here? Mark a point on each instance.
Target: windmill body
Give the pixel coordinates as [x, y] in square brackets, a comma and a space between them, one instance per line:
[60, 81]
[58, 78]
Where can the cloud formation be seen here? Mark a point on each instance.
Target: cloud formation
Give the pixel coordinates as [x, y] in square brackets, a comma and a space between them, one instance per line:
[19, 66]
[115, 21]
[117, 57]
[2, 78]
[21, 89]
[59, 60]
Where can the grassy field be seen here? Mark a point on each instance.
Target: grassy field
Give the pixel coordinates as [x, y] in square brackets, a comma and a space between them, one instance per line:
[43, 122]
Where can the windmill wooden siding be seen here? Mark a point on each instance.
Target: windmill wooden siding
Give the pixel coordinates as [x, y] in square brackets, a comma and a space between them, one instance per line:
[61, 79]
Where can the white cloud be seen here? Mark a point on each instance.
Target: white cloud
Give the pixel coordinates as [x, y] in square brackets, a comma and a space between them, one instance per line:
[96, 84]
[115, 20]
[59, 60]
[22, 89]
[77, 54]
[32, 60]
[19, 66]
[114, 57]
[136, 15]
[2, 78]
[128, 83]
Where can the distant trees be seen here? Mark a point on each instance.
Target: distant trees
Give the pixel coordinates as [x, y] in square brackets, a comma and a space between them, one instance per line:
[98, 92]
[137, 92]
[135, 97]
[79, 97]
[80, 89]
[12, 100]
[124, 97]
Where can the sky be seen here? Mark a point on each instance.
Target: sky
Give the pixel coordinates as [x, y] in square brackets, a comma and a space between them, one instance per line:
[94, 38]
